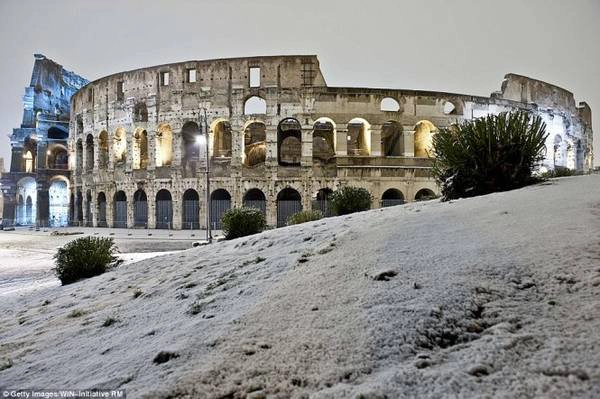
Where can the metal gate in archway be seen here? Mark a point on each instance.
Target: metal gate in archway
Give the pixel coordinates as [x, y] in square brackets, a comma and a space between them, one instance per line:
[140, 209]
[120, 218]
[255, 198]
[101, 212]
[164, 210]
[220, 202]
[289, 202]
[191, 210]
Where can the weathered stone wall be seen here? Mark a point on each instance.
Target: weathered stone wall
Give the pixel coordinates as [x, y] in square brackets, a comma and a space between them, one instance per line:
[375, 134]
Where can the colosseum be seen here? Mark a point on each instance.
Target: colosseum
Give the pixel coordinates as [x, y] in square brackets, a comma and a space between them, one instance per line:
[271, 134]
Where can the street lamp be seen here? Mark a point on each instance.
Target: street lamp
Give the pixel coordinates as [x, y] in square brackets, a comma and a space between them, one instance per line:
[202, 140]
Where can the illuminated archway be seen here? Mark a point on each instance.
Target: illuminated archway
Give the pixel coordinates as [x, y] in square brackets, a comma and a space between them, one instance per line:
[424, 132]
[26, 201]
[221, 130]
[190, 145]
[140, 149]
[358, 141]
[164, 145]
[57, 156]
[119, 147]
[391, 139]
[58, 212]
[255, 148]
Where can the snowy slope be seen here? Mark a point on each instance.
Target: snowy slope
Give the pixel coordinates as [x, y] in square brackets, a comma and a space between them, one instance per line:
[493, 296]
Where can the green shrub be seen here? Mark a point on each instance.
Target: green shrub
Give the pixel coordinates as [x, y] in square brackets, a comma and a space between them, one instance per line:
[304, 216]
[240, 222]
[349, 200]
[84, 257]
[559, 171]
[484, 155]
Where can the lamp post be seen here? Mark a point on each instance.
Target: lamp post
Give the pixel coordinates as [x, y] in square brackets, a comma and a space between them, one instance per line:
[202, 139]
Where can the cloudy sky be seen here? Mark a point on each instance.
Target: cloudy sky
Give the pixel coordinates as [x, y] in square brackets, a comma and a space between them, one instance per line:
[463, 46]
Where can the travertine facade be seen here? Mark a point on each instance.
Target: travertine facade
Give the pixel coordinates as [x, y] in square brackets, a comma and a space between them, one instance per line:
[279, 139]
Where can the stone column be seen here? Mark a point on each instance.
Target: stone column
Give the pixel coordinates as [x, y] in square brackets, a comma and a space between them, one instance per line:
[110, 197]
[151, 197]
[341, 148]
[176, 204]
[307, 147]
[130, 202]
[409, 142]
[129, 150]
[376, 149]
[271, 159]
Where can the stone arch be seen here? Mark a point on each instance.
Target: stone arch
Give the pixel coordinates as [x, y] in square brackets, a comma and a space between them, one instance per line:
[26, 188]
[255, 198]
[322, 201]
[120, 209]
[140, 149]
[392, 139]
[57, 156]
[289, 201]
[324, 143]
[392, 197]
[255, 105]
[57, 133]
[103, 149]
[89, 152]
[164, 145]
[570, 161]
[389, 104]
[579, 156]
[58, 202]
[359, 137]
[424, 131]
[140, 208]
[255, 147]
[289, 142]
[120, 147]
[425, 194]
[220, 202]
[164, 209]
[190, 215]
[29, 155]
[101, 210]
[190, 145]
[558, 153]
[221, 130]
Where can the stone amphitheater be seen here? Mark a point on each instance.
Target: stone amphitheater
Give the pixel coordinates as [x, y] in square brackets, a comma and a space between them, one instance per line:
[271, 134]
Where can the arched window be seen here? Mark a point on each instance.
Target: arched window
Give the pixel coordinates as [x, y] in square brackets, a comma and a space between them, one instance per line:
[424, 132]
[89, 152]
[222, 139]
[255, 106]
[359, 137]
[389, 104]
[164, 145]
[558, 151]
[323, 140]
[140, 149]
[289, 142]
[391, 139]
[255, 148]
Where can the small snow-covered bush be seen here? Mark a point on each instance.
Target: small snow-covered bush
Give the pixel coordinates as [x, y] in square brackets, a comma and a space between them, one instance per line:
[244, 221]
[84, 257]
[559, 171]
[485, 155]
[350, 199]
[304, 216]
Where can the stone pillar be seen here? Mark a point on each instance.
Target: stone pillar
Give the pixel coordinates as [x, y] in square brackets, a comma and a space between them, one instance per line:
[130, 202]
[176, 204]
[129, 151]
[271, 159]
[237, 145]
[96, 154]
[84, 205]
[307, 146]
[110, 197]
[376, 149]
[409, 142]
[341, 140]
[177, 155]
[151, 196]
[272, 209]
[111, 154]
[151, 149]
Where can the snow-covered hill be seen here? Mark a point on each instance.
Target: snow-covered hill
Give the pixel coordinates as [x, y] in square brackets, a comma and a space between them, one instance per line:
[491, 296]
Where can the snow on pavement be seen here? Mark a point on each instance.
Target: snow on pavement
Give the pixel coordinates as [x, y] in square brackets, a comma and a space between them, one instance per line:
[490, 296]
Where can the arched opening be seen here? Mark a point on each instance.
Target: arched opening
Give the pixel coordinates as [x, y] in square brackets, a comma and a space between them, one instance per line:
[58, 206]
[255, 148]
[120, 210]
[425, 194]
[389, 104]
[323, 140]
[119, 147]
[29, 154]
[103, 150]
[558, 158]
[221, 139]
[164, 145]
[359, 137]
[220, 202]
[29, 210]
[392, 197]
[571, 161]
[140, 209]
[255, 106]
[164, 210]
[57, 157]
[79, 207]
[424, 132]
[289, 202]
[579, 156]
[322, 202]
[26, 201]
[391, 139]
[56, 133]
[190, 145]
[79, 155]
[254, 198]
[101, 220]
[88, 208]
[140, 149]
[140, 112]
[191, 210]
[28, 157]
[89, 152]
[289, 142]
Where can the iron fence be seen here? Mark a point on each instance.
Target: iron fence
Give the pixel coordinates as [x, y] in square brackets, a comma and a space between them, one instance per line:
[120, 216]
[140, 213]
[191, 215]
[324, 206]
[391, 202]
[217, 209]
[164, 214]
[285, 209]
[258, 204]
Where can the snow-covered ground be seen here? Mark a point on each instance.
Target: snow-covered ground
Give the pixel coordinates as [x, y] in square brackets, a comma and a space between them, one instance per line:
[491, 296]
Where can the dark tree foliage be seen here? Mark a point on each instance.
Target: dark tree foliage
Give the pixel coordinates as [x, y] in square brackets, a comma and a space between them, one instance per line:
[84, 257]
[244, 221]
[484, 155]
[350, 199]
[304, 216]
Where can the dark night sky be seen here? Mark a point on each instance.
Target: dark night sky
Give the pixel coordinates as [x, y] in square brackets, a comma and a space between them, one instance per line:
[463, 46]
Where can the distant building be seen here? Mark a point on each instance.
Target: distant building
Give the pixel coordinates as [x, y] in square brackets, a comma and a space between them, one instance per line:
[36, 188]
